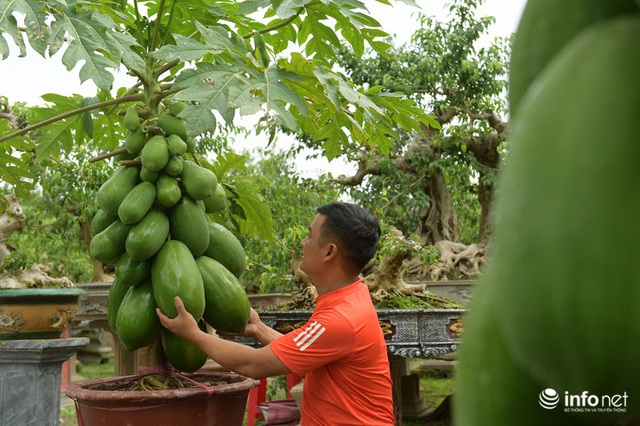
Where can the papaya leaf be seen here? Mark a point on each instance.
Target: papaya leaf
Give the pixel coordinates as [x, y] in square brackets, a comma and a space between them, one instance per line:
[229, 161]
[15, 172]
[34, 24]
[270, 88]
[185, 49]
[287, 8]
[123, 43]
[4, 48]
[208, 85]
[258, 220]
[57, 136]
[217, 37]
[89, 40]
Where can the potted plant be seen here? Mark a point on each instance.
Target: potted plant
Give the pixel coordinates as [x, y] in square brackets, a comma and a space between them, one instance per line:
[35, 309]
[189, 60]
[33, 305]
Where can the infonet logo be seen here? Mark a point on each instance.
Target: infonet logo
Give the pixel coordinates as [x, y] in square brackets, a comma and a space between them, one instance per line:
[549, 399]
[583, 402]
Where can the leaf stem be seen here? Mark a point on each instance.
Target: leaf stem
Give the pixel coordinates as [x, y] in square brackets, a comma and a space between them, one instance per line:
[156, 28]
[68, 114]
[113, 153]
[276, 26]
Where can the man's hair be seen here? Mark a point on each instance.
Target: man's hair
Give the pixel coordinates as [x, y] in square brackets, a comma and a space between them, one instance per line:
[356, 230]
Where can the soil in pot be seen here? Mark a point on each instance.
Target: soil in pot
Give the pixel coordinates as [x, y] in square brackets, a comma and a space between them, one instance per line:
[219, 399]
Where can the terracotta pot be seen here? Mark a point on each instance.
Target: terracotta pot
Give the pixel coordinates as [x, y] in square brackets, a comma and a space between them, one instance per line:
[37, 313]
[222, 405]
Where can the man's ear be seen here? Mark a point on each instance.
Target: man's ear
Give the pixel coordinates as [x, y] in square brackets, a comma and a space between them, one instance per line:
[332, 251]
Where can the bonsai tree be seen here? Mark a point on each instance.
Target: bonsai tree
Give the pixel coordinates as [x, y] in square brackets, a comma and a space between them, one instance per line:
[16, 271]
[197, 66]
[438, 182]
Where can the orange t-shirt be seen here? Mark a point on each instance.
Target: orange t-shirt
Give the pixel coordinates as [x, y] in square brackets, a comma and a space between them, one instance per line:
[342, 353]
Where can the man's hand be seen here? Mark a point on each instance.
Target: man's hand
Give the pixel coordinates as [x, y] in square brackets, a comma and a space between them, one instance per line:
[253, 325]
[184, 325]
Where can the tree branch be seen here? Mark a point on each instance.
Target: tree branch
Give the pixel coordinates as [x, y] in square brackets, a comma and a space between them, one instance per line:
[364, 168]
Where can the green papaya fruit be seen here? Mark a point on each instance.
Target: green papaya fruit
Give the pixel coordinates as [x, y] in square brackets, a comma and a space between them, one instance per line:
[173, 125]
[100, 222]
[545, 27]
[174, 166]
[176, 145]
[174, 272]
[198, 182]
[168, 190]
[132, 272]
[131, 119]
[491, 388]
[177, 107]
[565, 243]
[191, 145]
[137, 322]
[147, 175]
[226, 249]
[137, 203]
[184, 356]
[125, 156]
[147, 236]
[189, 225]
[108, 245]
[113, 191]
[155, 154]
[217, 202]
[227, 305]
[135, 140]
[114, 299]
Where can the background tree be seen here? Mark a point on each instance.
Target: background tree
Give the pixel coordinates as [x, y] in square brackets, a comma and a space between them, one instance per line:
[439, 182]
[224, 60]
[293, 200]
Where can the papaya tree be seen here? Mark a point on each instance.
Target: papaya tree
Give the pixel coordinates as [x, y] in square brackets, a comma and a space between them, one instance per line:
[199, 67]
[439, 182]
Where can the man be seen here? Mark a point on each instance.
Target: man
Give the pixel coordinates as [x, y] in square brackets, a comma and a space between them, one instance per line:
[341, 350]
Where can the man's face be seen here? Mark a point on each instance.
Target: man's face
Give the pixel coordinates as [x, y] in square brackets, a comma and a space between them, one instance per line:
[312, 250]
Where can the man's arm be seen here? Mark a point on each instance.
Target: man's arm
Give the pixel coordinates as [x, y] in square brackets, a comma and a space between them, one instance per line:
[245, 360]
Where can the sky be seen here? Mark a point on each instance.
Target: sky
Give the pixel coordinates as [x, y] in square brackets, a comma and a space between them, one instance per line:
[27, 79]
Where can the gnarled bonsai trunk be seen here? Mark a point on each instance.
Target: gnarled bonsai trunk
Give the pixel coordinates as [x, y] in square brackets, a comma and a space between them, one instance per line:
[13, 220]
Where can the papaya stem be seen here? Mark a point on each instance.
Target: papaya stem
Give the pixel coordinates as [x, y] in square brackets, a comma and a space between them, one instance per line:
[195, 158]
[68, 114]
[113, 153]
[134, 162]
[166, 67]
[276, 26]
[156, 28]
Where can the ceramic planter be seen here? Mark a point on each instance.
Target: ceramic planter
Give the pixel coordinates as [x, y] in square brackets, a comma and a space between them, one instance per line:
[37, 313]
[409, 333]
[224, 404]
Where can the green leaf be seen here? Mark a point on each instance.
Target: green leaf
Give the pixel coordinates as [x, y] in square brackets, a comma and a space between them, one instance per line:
[14, 171]
[185, 49]
[259, 221]
[229, 161]
[34, 22]
[208, 85]
[123, 43]
[287, 8]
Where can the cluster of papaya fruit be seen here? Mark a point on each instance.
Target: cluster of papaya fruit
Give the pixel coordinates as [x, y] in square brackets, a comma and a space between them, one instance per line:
[553, 330]
[153, 225]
